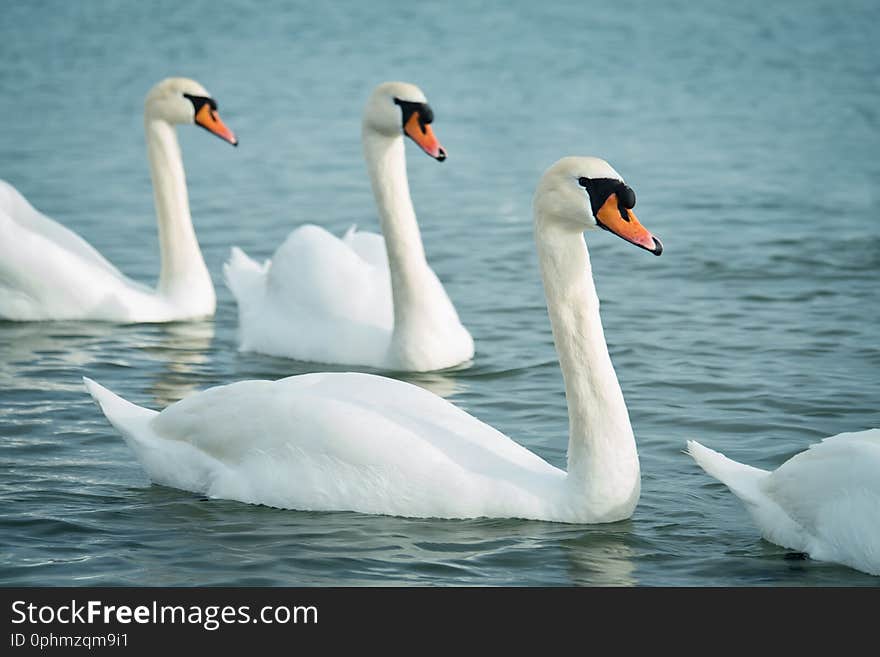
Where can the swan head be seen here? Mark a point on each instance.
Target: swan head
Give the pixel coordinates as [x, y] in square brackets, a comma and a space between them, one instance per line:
[181, 100]
[584, 193]
[396, 108]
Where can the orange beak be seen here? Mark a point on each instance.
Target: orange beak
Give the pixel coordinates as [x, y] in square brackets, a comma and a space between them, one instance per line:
[210, 121]
[424, 136]
[610, 217]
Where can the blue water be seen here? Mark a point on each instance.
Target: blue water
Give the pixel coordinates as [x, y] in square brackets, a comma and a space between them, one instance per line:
[750, 132]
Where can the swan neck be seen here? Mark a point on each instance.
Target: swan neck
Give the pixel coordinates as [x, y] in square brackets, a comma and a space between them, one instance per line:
[386, 162]
[601, 446]
[184, 275]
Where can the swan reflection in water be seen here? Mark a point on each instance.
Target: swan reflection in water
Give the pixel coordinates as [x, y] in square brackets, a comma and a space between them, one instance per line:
[262, 546]
[601, 557]
[32, 353]
[249, 365]
[443, 384]
[183, 350]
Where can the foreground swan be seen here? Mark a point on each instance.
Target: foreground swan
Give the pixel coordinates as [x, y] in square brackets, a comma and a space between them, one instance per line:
[824, 502]
[48, 272]
[362, 299]
[345, 441]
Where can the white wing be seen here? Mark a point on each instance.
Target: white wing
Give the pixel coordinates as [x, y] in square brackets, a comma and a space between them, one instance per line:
[49, 272]
[832, 490]
[369, 246]
[320, 298]
[343, 441]
[824, 501]
[26, 219]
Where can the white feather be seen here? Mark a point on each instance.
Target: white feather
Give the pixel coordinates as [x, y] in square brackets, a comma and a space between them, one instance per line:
[824, 502]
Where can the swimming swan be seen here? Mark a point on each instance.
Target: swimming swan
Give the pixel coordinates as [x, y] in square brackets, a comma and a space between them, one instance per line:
[360, 442]
[364, 299]
[824, 502]
[48, 272]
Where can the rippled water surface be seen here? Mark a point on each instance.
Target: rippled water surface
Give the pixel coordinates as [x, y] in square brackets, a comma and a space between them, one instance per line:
[750, 131]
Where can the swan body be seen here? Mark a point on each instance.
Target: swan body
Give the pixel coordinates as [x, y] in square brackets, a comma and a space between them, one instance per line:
[434, 460]
[48, 272]
[361, 442]
[363, 299]
[824, 502]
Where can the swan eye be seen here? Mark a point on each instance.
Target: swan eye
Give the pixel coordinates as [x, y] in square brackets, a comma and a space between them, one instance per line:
[599, 189]
[200, 101]
[408, 108]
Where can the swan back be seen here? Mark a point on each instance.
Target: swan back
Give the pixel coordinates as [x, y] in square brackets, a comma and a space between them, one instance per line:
[832, 490]
[338, 441]
[16, 209]
[824, 501]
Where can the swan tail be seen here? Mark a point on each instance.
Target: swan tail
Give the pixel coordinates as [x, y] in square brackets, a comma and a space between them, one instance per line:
[129, 419]
[743, 480]
[168, 462]
[242, 274]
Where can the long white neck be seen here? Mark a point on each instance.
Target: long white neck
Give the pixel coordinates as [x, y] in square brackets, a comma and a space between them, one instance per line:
[602, 458]
[386, 162]
[184, 278]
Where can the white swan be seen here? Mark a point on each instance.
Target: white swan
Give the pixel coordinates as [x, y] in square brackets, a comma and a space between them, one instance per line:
[48, 272]
[824, 502]
[349, 441]
[361, 299]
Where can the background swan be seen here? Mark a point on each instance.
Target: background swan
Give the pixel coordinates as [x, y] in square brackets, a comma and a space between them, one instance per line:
[348, 441]
[364, 299]
[48, 272]
[824, 502]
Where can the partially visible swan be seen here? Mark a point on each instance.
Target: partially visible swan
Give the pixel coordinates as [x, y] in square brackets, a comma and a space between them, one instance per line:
[48, 272]
[364, 299]
[824, 502]
[360, 442]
